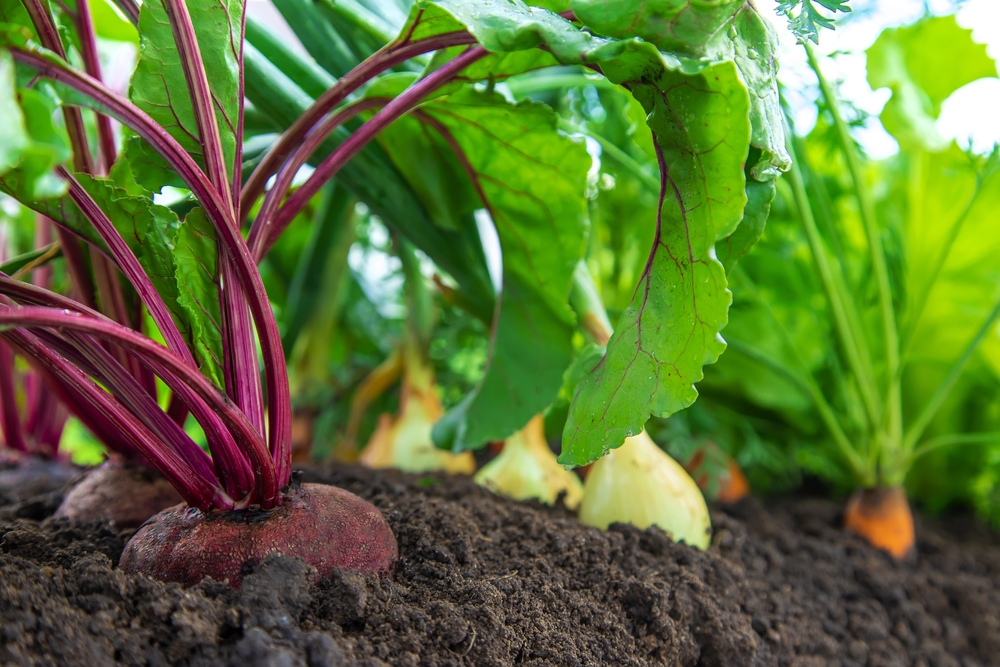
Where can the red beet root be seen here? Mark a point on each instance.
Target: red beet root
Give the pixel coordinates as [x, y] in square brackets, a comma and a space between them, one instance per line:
[22, 475]
[125, 494]
[327, 527]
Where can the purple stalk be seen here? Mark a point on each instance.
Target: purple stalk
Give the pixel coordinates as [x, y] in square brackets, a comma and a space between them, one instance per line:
[262, 234]
[76, 267]
[108, 154]
[46, 422]
[130, 8]
[110, 289]
[230, 466]
[177, 410]
[201, 96]
[168, 366]
[353, 144]
[129, 265]
[134, 397]
[112, 300]
[107, 276]
[238, 157]
[42, 275]
[48, 35]
[275, 371]
[82, 160]
[242, 372]
[386, 58]
[10, 416]
[198, 491]
[136, 119]
[38, 399]
[94, 420]
[242, 375]
[208, 406]
[88, 47]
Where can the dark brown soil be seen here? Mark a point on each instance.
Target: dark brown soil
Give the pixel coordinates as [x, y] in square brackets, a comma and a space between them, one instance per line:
[484, 581]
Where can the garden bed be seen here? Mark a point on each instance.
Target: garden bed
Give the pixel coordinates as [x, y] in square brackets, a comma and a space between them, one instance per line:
[484, 581]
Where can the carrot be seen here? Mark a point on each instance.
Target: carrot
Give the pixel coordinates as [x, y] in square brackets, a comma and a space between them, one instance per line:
[733, 486]
[883, 518]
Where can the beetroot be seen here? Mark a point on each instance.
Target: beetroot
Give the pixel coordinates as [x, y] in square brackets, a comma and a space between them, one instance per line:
[126, 494]
[327, 527]
[26, 476]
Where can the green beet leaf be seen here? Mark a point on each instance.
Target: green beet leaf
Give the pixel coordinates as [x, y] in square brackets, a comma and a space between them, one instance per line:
[671, 329]
[680, 26]
[433, 171]
[511, 31]
[196, 277]
[533, 179]
[702, 115]
[731, 249]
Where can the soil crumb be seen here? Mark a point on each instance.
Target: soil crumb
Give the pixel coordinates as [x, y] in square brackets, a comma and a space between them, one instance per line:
[487, 581]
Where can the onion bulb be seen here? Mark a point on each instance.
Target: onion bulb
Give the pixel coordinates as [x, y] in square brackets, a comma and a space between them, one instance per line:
[638, 483]
[403, 441]
[526, 468]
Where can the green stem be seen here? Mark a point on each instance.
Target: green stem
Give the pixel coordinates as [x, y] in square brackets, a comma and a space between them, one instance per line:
[585, 300]
[894, 414]
[941, 393]
[419, 302]
[863, 472]
[819, 202]
[951, 440]
[615, 153]
[807, 384]
[544, 81]
[836, 294]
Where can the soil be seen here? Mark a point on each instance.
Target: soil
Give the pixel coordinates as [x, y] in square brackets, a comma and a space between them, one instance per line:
[486, 581]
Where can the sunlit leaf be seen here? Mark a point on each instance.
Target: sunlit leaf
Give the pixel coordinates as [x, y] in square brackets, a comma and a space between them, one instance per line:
[923, 64]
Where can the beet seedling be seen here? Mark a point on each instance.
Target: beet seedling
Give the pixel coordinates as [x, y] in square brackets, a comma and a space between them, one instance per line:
[183, 272]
